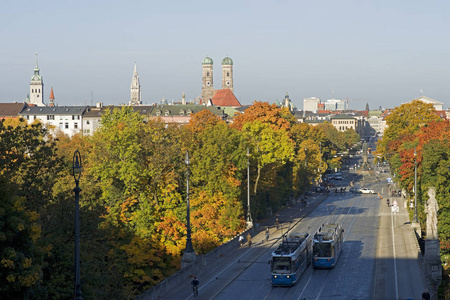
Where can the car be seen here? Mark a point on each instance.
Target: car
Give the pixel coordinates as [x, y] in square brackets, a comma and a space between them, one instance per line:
[354, 189]
[366, 191]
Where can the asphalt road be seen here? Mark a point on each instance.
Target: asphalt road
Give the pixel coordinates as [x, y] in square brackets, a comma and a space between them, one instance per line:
[378, 261]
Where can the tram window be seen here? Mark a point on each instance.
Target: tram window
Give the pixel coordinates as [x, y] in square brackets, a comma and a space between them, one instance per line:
[322, 250]
[281, 264]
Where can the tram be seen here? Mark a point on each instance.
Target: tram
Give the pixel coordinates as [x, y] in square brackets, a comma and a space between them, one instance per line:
[327, 245]
[290, 259]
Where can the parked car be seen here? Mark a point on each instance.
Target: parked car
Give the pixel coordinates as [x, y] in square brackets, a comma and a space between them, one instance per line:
[354, 190]
[366, 191]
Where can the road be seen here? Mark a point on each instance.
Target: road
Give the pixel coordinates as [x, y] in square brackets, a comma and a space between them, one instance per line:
[378, 261]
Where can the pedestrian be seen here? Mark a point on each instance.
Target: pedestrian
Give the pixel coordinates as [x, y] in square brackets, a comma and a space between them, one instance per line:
[249, 239]
[241, 240]
[195, 283]
[267, 234]
[426, 295]
[277, 223]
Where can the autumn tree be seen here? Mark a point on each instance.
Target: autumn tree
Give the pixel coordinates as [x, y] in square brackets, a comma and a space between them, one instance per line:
[265, 113]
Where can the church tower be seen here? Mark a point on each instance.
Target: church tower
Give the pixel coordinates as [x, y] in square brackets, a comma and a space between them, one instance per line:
[36, 87]
[52, 98]
[135, 89]
[227, 74]
[207, 80]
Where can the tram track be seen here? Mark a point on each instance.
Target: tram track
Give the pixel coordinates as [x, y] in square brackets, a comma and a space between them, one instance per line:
[348, 210]
[250, 263]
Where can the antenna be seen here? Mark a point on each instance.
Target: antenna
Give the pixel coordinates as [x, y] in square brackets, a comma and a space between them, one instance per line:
[92, 98]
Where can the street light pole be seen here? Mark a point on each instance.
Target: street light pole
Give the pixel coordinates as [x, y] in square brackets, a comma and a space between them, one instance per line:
[76, 172]
[415, 220]
[249, 215]
[189, 253]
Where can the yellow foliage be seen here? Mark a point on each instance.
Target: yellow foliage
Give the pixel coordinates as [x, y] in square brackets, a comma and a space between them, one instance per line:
[7, 263]
[27, 263]
[11, 278]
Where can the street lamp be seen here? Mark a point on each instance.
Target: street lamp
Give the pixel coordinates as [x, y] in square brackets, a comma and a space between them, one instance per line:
[76, 172]
[189, 254]
[415, 220]
[249, 215]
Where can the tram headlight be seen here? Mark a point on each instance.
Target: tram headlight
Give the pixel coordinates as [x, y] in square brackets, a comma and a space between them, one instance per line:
[288, 276]
[274, 276]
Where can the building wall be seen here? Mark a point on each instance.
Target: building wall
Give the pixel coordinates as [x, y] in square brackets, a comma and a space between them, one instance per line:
[311, 104]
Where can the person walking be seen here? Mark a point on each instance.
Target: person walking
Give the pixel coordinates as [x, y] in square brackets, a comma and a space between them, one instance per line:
[195, 283]
[277, 223]
[426, 295]
[241, 240]
[249, 239]
[267, 234]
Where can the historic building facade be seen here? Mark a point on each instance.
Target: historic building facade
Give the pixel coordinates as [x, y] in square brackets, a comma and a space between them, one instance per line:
[135, 89]
[208, 91]
[36, 95]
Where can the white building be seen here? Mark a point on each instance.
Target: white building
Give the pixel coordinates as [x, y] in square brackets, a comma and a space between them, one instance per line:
[334, 104]
[436, 104]
[67, 119]
[311, 104]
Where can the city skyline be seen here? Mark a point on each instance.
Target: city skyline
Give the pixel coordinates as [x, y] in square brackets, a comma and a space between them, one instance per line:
[374, 52]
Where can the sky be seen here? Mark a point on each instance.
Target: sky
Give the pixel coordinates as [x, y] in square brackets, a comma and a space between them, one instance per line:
[383, 53]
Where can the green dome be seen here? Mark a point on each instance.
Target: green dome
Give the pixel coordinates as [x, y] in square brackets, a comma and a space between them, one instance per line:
[207, 61]
[227, 61]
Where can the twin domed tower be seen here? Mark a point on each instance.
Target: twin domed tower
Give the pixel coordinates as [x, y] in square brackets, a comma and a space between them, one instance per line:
[207, 77]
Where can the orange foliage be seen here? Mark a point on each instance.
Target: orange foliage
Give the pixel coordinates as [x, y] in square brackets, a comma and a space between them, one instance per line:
[266, 113]
[203, 120]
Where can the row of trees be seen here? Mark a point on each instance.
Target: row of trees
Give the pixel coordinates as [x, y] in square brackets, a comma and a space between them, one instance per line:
[133, 206]
[416, 128]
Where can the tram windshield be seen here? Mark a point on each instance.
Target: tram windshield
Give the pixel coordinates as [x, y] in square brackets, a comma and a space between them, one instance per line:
[281, 265]
[322, 250]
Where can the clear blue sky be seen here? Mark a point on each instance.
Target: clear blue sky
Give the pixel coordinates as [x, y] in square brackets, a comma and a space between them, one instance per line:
[383, 52]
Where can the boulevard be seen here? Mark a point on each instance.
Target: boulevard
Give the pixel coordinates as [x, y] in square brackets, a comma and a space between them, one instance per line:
[379, 258]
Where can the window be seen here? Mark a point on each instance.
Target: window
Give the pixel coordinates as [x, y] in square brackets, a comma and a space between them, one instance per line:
[66, 125]
[228, 74]
[34, 117]
[75, 125]
[207, 73]
[61, 126]
[39, 90]
[28, 117]
[50, 117]
[87, 122]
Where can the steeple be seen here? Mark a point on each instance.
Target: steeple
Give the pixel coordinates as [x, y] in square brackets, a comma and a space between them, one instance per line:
[36, 69]
[52, 98]
[37, 87]
[135, 88]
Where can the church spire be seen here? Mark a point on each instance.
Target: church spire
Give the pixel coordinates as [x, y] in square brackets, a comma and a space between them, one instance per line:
[36, 69]
[135, 88]
[52, 98]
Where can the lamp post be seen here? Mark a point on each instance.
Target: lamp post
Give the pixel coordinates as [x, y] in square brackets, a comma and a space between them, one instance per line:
[189, 254]
[249, 215]
[76, 172]
[415, 220]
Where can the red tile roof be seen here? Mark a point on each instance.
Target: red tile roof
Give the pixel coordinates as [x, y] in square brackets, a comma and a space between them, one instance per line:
[225, 97]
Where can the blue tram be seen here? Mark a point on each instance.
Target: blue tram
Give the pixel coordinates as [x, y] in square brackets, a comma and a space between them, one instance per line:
[290, 259]
[327, 245]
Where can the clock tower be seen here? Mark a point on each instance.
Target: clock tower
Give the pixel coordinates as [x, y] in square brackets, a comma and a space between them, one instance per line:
[135, 89]
[207, 80]
[227, 74]
[37, 87]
